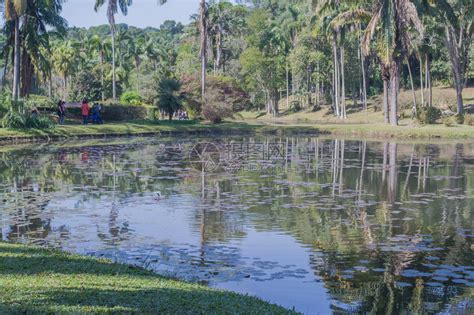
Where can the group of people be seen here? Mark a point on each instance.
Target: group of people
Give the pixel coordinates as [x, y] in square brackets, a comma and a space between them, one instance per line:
[94, 113]
[182, 115]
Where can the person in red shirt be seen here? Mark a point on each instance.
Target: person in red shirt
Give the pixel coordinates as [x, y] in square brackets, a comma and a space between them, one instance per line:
[85, 112]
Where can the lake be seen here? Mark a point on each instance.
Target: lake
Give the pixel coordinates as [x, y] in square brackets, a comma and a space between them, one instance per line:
[321, 225]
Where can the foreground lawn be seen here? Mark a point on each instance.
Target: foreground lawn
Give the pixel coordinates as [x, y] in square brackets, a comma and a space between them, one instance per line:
[34, 280]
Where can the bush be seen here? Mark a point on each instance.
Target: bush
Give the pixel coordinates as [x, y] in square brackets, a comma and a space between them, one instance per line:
[131, 98]
[220, 88]
[295, 106]
[19, 117]
[42, 102]
[86, 84]
[152, 113]
[216, 108]
[469, 120]
[449, 121]
[460, 119]
[429, 115]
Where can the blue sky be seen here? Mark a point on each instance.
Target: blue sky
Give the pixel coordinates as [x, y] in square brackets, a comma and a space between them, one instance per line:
[143, 13]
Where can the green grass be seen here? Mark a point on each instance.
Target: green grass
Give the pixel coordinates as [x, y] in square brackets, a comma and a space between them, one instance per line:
[375, 130]
[35, 280]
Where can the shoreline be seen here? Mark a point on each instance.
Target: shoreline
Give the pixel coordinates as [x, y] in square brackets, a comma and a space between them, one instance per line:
[42, 280]
[375, 131]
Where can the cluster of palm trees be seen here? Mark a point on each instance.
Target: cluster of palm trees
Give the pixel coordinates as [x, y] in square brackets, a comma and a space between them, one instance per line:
[272, 46]
[391, 30]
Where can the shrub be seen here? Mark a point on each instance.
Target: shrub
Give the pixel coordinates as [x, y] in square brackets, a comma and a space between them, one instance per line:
[449, 121]
[295, 106]
[469, 120]
[429, 115]
[86, 84]
[224, 89]
[169, 96]
[40, 101]
[19, 117]
[215, 107]
[131, 98]
[460, 118]
[152, 113]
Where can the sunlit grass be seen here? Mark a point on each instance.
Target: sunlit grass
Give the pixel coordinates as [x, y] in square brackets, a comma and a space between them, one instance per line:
[34, 280]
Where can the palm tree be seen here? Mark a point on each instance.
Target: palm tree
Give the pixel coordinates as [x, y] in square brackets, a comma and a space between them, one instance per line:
[388, 33]
[457, 19]
[63, 60]
[169, 99]
[203, 31]
[41, 18]
[13, 11]
[96, 44]
[112, 9]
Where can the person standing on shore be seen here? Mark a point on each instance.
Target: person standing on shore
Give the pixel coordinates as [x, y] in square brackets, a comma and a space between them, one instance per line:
[61, 111]
[85, 111]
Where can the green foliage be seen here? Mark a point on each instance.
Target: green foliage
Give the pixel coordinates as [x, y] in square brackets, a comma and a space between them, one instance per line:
[215, 108]
[152, 114]
[169, 98]
[40, 101]
[223, 93]
[86, 85]
[18, 116]
[131, 98]
[449, 121]
[428, 115]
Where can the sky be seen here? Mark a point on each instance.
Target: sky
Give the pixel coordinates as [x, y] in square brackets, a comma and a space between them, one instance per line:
[142, 13]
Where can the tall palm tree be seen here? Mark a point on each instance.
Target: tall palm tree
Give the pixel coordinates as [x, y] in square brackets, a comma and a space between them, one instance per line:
[96, 44]
[63, 60]
[112, 9]
[388, 34]
[41, 18]
[13, 11]
[203, 31]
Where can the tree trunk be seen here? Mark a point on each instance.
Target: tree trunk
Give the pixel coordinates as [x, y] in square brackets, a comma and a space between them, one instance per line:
[16, 62]
[114, 79]
[50, 86]
[65, 88]
[364, 82]
[170, 116]
[203, 53]
[428, 80]
[412, 88]
[287, 86]
[450, 40]
[336, 77]
[385, 101]
[422, 88]
[394, 77]
[343, 85]
[102, 74]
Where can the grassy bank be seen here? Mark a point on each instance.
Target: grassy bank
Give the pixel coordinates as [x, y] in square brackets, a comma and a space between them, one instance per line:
[34, 280]
[375, 130]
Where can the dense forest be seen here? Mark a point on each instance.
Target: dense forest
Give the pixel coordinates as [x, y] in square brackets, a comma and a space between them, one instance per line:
[270, 55]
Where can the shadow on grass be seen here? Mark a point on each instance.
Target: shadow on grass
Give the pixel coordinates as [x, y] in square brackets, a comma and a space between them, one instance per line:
[34, 280]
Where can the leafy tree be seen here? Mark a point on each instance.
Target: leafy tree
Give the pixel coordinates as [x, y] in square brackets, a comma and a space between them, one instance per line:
[169, 98]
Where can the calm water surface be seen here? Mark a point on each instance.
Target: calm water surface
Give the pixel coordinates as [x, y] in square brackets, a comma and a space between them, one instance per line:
[325, 226]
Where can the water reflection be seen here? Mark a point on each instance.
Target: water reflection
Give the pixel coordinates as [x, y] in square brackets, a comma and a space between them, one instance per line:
[322, 225]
